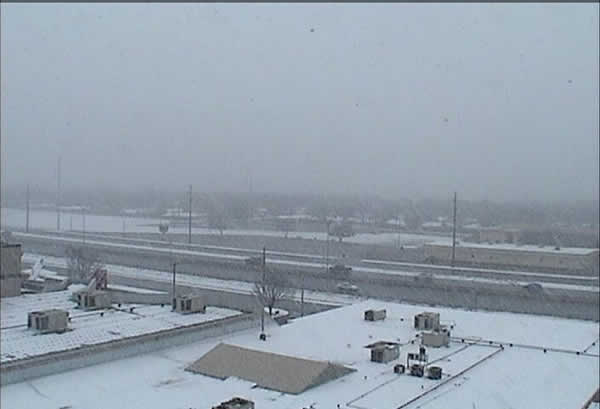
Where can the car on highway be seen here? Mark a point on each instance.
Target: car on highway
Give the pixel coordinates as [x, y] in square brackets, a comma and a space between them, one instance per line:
[255, 261]
[534, 288]
[340, 269]
[347, 288]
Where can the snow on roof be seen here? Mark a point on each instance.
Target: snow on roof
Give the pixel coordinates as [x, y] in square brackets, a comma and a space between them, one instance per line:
[515, 247]
[475, 374]
[87, 327]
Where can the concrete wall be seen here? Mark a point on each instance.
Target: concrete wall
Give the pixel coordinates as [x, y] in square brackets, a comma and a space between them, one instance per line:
[10, 286]
[507, 257]
[221, 298]
[53, 363]
[10, 260]
[10, 270]
[127, 297]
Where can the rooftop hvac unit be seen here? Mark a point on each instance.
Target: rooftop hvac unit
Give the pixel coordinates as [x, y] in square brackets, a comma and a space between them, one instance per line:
[187, 304]
[436, 338]
[427, 321]
[434, 372]
[48, 321]
[236, 403]
[375, 315]
[92, 300]
[417, 370]
[383, 351]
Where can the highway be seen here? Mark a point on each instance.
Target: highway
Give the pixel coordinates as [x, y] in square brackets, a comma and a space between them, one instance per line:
[557, 299]
[315, 263]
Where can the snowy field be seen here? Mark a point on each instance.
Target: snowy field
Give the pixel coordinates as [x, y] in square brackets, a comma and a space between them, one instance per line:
[46, 220]
[88, 328]
[522, 376]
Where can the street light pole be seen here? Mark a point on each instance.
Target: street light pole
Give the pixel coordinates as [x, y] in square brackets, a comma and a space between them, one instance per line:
[327, 248]
[83, 213]
[302, 296]
[454, 232]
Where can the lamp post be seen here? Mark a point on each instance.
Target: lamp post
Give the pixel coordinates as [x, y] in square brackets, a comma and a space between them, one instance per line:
[174, 295]
[328, 223]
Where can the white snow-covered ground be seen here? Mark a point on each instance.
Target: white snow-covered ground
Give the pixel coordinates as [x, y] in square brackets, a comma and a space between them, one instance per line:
[87, 327]
[46, 220]
[513, 377]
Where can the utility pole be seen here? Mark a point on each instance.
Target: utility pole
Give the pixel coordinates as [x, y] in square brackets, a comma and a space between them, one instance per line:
[83, 224]
[454, 232]
[262, 307]
[327, 249]
[58, 195]
[173, 289]
[27, 214]
[302, 296]
[190, 217]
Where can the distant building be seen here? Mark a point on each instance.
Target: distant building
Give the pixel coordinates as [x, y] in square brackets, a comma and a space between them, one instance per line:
[515, 256]
[496, 235]
[11, 277]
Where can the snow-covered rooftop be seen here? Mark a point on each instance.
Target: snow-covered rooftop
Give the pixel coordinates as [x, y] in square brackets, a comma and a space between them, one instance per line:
[476, 374]
[87, 327]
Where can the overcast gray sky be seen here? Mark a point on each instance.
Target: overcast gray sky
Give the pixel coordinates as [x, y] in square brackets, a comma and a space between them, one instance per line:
[496, 101]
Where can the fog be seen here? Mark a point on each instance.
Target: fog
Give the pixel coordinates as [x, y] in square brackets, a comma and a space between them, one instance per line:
[496, 101]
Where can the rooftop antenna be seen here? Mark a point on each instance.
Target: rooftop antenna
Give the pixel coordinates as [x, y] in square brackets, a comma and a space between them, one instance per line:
[454, 232]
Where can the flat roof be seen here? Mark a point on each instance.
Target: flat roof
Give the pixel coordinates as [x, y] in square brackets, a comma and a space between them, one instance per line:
[516, 247]
[475, 373]
[88, 327]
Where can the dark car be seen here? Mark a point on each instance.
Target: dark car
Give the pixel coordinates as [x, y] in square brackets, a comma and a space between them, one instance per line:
[255, 261]
[340, 269]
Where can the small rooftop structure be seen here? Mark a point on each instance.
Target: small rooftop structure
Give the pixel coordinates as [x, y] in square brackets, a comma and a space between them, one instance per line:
[47, 321]
[92, 300]
[427, 321]
[375, 315]
[277, 372]
[384, 351]
[436, 338]
[236, 403]
[187, 304]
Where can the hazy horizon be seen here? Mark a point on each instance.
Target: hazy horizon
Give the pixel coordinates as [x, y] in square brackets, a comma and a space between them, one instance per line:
[495, 101]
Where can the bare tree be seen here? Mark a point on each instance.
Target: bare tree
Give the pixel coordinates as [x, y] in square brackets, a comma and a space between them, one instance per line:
[217, 219]
[272, 289]
[285, 225]
[342, 230]
[81, 263]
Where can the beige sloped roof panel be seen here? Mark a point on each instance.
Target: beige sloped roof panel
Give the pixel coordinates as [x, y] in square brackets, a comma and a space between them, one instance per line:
[282, 373]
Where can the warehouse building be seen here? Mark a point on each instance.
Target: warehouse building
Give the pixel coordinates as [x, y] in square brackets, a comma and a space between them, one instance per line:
[520, 256]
